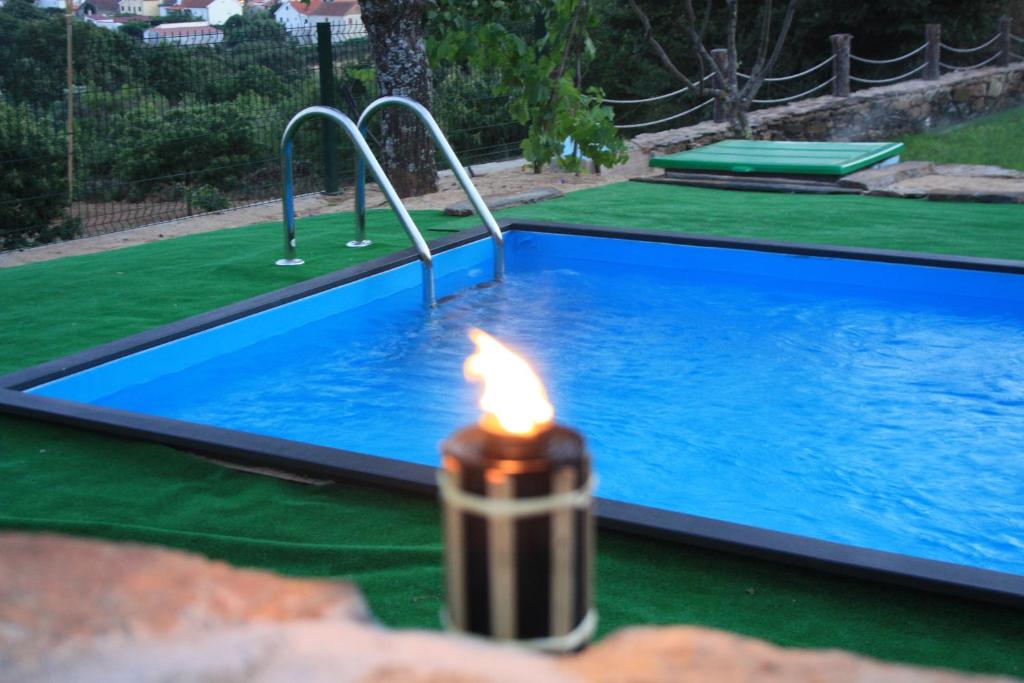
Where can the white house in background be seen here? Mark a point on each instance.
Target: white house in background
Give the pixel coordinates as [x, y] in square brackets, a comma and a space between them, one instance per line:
[257, 6]
[113, 23]
[185, 33]
[344, 16]
[214, 12]
[146, 8]
[107, 7]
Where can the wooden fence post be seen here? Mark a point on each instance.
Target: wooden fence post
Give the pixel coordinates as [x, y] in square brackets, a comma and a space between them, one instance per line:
[721, 57]
[932, 53]
[841, 64]
[1004, 44]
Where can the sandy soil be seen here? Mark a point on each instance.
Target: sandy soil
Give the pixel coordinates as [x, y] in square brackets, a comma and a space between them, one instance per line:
[498, 183]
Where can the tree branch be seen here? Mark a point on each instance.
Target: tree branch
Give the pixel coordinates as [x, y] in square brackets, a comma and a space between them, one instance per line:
[558, 72]
[762, 41]
[658, 49]
[698, 44]
[757, 76]
[705, 20]
[730, 43]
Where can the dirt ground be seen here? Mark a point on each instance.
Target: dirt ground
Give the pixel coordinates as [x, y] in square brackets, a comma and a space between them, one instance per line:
[505, 181]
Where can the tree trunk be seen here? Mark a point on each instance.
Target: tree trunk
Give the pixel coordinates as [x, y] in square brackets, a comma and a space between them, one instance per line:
[395, 29]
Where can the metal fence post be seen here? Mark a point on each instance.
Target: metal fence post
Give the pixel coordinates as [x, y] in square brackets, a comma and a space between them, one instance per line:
[1004, 44]
[933, 51]
[325, 58]
[721, 57]
[841, 64]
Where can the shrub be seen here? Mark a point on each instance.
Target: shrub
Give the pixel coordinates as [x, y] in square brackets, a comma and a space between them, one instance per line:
[32, 179]
[208, 198]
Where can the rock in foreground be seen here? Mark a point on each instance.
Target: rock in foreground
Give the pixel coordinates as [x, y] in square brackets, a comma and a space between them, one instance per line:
[80, 610]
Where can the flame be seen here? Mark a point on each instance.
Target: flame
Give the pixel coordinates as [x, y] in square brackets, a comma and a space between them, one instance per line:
[514, 400]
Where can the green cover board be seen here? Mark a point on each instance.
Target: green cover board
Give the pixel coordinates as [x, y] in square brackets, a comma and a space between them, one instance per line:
[762, 156]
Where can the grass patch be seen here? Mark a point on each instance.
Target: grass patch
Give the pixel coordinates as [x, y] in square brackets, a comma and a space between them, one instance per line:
[997, 140]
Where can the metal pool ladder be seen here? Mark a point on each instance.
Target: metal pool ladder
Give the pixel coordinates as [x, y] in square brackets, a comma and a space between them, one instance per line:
[453, 161]
[362, 152]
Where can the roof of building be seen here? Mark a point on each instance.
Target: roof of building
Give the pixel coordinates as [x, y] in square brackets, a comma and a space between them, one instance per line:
[330, 8]
[187, 28]
[335, 8]
[190, 4]
[104, 6]
[121, 19]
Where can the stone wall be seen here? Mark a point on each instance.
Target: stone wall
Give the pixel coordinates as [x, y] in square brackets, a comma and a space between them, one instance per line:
[873, 114]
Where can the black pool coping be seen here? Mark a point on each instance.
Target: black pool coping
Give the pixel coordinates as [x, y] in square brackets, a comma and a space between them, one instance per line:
[255, 450]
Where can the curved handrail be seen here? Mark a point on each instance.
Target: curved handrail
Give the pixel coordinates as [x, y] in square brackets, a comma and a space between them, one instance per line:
[460, 174]
[363, 152]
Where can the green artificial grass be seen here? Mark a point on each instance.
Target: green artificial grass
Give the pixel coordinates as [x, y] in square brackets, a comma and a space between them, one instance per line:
[996, 140]
[61, 479]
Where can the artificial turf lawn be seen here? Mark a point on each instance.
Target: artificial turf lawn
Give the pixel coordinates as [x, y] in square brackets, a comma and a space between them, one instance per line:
[54, 478]
[993, 139]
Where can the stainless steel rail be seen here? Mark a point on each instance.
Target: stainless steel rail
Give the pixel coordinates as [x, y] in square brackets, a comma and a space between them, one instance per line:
[460, 174]
[363, 152]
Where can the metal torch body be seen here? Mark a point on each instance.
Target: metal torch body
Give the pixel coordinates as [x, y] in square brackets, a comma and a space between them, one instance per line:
[519, 537]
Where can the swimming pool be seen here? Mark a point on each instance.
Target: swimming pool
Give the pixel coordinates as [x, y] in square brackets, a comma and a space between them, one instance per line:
[853, 409]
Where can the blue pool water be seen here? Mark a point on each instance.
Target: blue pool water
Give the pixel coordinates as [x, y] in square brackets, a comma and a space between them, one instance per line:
[872, 404]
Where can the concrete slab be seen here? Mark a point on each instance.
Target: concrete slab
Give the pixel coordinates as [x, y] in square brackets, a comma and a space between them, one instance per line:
[464, 208]
[876, 178]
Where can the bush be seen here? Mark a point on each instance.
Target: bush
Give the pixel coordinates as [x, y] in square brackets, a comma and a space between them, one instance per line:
[207, 198]
[213, 144]
[32, 179]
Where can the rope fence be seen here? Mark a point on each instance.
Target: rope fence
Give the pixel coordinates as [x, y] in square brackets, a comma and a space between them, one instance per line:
[980, 64]
[842, 58]
[970, 50]
[894, 60]
[798, 96]
[667, 118]
[783, 79]
[886, 81]
[658, 98]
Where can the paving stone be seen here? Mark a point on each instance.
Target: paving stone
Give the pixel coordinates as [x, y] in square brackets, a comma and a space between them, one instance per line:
[877, 178]
[503, 202]
[976, 171]
[986, 189]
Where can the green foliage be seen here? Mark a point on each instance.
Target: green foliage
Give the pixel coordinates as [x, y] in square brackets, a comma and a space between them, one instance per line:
[32, 179]
[253, 28]
[209, 198]
[258, 80]
[362, 82]
[476, 121]
[537, 48]
[211, 143]
[134, 29]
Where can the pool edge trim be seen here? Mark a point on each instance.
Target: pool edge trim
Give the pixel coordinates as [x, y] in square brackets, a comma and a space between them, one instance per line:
[276, 453]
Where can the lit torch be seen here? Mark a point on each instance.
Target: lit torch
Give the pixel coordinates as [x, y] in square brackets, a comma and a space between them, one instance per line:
[516, 494]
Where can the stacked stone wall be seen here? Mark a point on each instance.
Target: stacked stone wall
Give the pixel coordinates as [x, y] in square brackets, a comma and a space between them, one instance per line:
[872, 114]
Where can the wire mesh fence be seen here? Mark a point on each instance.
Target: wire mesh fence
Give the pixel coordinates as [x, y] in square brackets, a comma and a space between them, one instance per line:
[177, 122]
